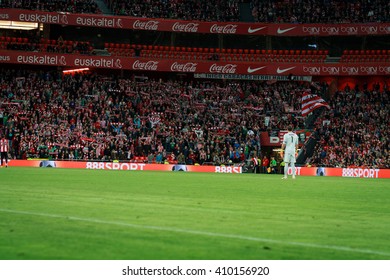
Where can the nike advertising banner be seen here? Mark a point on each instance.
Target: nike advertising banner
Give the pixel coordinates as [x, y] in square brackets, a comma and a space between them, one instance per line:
[123, 22]
[356, 172]
[219, 69]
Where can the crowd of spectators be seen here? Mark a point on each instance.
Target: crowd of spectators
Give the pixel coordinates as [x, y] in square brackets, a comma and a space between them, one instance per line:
[356, 131]
[106, 118]
[69, 6]
[280, 11]
[327, 11]
[88, 116]
[187, 10]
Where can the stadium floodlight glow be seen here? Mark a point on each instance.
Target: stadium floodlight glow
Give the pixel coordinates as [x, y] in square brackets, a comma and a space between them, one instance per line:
[18, 25]
[75, 70]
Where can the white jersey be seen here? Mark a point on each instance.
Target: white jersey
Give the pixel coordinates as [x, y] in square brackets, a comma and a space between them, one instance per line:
[290, 139]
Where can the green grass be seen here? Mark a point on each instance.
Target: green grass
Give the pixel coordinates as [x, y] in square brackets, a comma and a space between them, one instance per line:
[95, 214]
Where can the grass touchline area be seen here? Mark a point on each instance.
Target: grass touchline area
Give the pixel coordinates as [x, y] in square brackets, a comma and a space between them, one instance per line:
[188, 231]
[97, 214]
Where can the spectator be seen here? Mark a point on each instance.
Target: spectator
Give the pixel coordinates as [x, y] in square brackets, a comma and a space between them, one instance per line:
[273, 165]
[264, 164]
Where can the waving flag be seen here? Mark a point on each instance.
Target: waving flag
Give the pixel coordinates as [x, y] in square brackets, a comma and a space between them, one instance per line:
[310, 102]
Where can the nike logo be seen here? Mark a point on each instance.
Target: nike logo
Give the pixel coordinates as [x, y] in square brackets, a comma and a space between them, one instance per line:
[281, 31]
[280, 71]
[250, 30]
[250, 70]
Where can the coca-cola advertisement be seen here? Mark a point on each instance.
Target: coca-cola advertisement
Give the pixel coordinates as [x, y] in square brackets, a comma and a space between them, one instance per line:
[125, 22]
[146, 24]
[208, 67]
[223, 69]
[184, 67]
[150, 65]
[189, 27]
[224, 28]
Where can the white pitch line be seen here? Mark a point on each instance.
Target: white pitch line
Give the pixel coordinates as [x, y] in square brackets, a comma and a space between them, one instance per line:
[204, 233]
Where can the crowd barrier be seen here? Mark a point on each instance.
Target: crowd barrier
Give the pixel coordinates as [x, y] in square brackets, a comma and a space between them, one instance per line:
[358, 172]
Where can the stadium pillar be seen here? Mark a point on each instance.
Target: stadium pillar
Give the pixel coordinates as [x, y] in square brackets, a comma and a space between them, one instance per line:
[46, 31]
[173, 38]
[245, 12]
[220, 41]
[268, 43]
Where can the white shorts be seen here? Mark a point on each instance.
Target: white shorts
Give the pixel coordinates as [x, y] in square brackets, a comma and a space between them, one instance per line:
[289, 157]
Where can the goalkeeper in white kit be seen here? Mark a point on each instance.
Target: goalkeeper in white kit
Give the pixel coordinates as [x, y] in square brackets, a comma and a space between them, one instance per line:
[289, 147]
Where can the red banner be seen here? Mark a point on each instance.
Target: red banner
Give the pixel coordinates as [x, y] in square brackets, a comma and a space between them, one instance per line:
[224, 69]
[358, 172]
[123, 22]
[127, 166]
[267, 140]
[276, 139]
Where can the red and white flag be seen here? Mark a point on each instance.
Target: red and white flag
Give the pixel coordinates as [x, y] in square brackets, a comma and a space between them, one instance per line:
[310, 102]
[4, 145]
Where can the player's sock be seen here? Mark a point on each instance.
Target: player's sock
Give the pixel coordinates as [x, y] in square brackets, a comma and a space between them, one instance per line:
[293, 169]
[285, 170]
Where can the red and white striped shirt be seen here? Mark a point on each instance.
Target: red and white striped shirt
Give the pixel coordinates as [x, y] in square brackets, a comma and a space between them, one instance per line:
[4, 147]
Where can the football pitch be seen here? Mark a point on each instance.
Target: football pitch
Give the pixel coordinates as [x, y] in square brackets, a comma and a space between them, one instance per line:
[132, 215]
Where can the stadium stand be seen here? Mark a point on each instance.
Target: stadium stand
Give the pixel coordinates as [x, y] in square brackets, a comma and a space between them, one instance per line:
[308, 11]
[69, 6]
[100, 120]
[356, 131]
[233, 54]
[45, 113]
[189, 10]
[45, 45]
[166, 52]
[365, 56]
